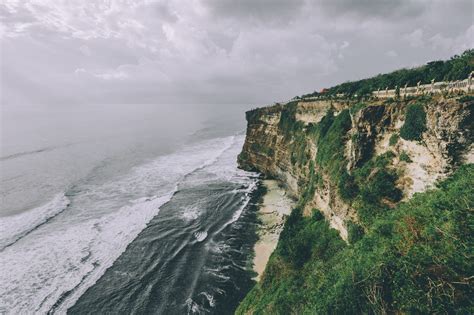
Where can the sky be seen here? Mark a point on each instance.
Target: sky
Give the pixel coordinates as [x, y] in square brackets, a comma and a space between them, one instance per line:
[71, 52]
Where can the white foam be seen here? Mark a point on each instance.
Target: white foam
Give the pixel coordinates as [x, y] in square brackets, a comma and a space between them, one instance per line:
[89, 247]
[230, 172]
[210, 298]
[246, 199]
[71, 252]
[200, 236]
[15, 227]
[193, 307]
[190, 213]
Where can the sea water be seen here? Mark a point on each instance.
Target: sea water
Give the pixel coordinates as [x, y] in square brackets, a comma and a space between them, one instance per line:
[124, 209]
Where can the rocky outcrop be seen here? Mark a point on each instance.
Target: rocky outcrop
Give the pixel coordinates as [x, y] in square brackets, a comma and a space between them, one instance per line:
[444, 145]
[280, 144]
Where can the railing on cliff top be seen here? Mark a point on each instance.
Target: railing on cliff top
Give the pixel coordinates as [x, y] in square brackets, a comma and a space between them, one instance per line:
[466, 85]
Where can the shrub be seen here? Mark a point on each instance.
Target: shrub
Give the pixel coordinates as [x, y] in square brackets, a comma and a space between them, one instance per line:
[357, 107]
[347, 186]
[415, 123]
[317, 215]
[404, 157]
[301, 237]
[381, 185]
[296, 251]
[355, 232]
[393, 139]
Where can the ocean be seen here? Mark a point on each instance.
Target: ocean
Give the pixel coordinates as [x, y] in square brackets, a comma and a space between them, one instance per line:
[124, 209]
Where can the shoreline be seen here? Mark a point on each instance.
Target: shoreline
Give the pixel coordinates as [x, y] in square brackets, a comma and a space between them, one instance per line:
[275, 206]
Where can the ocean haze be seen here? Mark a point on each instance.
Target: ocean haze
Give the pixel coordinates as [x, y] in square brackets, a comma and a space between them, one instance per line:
[45, 149]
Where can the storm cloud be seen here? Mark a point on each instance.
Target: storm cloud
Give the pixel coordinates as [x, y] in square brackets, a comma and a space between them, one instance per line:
[215, 51]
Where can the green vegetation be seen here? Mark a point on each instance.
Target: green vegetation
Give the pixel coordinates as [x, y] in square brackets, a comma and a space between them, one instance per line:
[331, 140]
[412, 257]
[355, 232]
[457, 68]
[370, 189]
[415, 123]
[299, 152]
[404, 157]
[331, 135]
[357, 107]
[288, 123]
[292, 128]
[348, 189]
[393, 139]
[376, 182]
[298, 237]
[415, 259]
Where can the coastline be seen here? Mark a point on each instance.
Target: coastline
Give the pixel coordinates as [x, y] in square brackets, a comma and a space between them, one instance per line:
[275, 206]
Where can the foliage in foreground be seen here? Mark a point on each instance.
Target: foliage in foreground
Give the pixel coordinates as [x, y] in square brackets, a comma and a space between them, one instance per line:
[416, 258]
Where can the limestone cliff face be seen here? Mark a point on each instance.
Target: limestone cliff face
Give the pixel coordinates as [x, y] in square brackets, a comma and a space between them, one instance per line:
[288, 152]
[446, 143]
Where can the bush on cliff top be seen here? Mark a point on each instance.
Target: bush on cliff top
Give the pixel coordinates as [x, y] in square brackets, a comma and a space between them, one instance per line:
[415, 259]
[457, 68]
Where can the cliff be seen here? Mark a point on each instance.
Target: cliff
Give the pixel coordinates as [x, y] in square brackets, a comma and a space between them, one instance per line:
[383, 222]
[315, 148]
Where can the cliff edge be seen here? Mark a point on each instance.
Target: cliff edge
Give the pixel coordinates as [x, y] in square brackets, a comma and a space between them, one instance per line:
[327, 152]
[383, 222]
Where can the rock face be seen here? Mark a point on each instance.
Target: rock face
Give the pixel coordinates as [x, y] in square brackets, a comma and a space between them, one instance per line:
[280, 145]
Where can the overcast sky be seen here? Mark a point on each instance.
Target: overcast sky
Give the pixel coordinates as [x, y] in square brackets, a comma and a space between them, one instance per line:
[215, 51]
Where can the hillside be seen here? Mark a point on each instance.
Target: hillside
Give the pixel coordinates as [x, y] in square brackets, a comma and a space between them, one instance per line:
[384, 221]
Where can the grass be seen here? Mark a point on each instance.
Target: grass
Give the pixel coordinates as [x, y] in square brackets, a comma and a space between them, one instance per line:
[415, 259]
[331, 138]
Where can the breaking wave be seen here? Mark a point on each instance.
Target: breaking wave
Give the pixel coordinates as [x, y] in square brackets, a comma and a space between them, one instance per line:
[53, 253]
